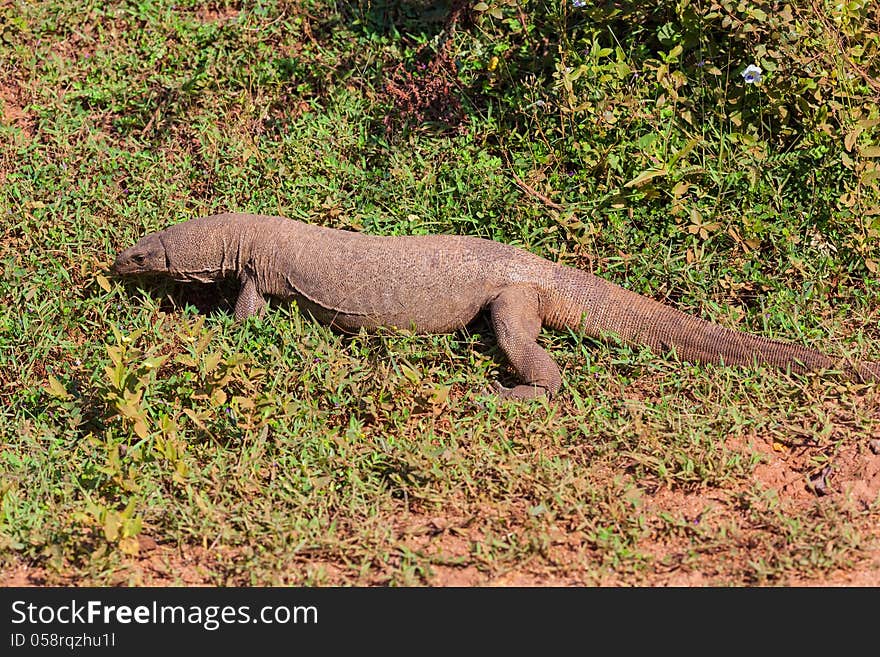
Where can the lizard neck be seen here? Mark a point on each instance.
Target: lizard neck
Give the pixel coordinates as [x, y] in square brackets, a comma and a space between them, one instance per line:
[209, 249]
[278, 253]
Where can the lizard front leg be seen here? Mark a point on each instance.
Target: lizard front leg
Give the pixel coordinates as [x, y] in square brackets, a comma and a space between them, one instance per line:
[517, 323]
[250, 300]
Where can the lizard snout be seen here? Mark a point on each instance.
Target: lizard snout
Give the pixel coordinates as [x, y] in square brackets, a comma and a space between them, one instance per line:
[147, 256]
[123, 264]
[114, 268]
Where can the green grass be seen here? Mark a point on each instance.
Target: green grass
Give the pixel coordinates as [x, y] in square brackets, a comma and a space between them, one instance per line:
[276, 451]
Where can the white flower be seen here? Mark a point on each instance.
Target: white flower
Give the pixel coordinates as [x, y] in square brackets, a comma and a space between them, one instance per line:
[752, 74]
[578, 3]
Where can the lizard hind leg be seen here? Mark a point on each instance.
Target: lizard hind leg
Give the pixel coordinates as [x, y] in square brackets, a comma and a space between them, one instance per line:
[250, 301]
[517, 323]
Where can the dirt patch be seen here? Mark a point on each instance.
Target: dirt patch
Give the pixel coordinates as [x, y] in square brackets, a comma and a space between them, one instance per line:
[852, 470]
[22, 575]
[14, 107]
[867, 574]
[780, 469]
[692, 536]
[855, 473]
[216, 13]
[675, 558]
[156, 565]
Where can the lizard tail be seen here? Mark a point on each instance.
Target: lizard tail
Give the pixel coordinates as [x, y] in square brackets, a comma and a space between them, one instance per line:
[587, 303]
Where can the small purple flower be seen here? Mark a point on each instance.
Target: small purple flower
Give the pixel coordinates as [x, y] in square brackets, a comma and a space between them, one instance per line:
[752, 74]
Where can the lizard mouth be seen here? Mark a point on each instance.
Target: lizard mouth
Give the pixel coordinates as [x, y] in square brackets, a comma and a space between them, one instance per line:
[120, 267]
[124, 265]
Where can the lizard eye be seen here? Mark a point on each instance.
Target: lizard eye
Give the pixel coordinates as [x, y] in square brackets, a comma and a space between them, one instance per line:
[139, 258]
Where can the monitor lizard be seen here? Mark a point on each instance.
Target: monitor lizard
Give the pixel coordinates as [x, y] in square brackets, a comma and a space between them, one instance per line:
[439, 284]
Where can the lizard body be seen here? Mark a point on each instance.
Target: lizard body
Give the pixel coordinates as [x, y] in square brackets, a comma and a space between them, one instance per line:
[439, 284]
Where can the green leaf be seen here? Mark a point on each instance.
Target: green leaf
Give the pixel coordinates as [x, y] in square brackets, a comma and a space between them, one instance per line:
[140, 428]
[212, 360]
[688, 147]
[57, 389]
[645, 176]
[112, 525]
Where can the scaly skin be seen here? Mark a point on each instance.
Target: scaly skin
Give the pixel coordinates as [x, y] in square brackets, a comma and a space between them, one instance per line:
[439, 284]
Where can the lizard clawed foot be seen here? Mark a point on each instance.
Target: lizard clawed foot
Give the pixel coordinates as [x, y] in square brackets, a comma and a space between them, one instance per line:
[516, 392]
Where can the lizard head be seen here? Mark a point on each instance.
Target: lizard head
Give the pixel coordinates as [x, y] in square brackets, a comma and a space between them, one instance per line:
[148, 256]
[199, 250]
